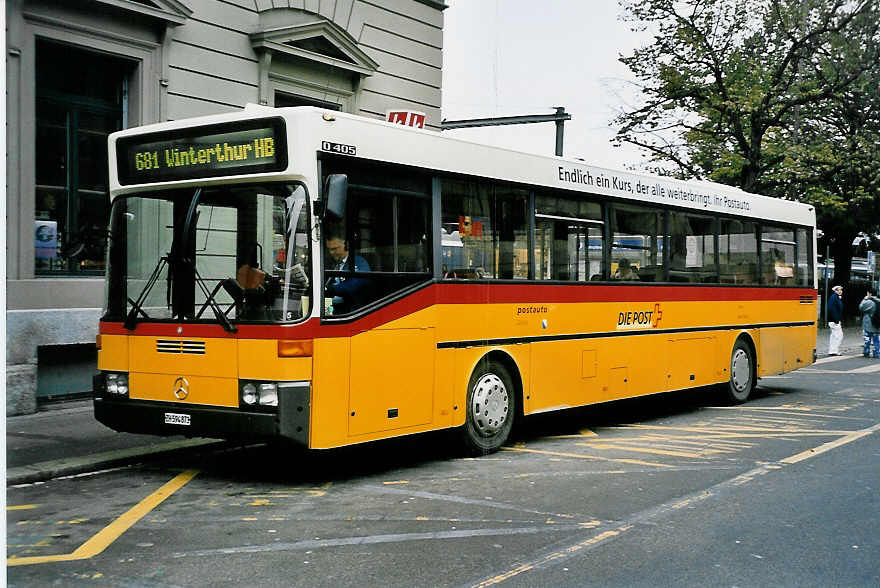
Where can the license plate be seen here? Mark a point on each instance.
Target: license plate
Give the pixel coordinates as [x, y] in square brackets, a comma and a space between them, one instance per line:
[173, 418]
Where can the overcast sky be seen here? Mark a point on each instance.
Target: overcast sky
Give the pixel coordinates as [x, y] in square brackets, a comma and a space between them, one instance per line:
[515, 57]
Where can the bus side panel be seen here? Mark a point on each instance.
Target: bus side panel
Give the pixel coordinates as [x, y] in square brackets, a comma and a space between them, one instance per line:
[770, 351]
[556, 374]
[329, 402]
[444, 386]
[392, 380]
[800, 342]
[691, 361]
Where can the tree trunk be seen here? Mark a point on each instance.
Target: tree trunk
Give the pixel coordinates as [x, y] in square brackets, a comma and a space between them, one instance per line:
[841, 251]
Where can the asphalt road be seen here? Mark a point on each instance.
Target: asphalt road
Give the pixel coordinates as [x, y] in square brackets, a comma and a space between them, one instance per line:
[673, 490]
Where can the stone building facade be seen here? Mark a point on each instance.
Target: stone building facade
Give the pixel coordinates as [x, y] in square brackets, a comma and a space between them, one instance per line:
[78, 70]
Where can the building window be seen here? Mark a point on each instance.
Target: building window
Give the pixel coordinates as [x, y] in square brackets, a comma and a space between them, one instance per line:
[283, 100]
[80, 100]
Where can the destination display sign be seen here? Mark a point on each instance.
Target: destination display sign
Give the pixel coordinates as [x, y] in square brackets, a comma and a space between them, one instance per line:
[241, 147]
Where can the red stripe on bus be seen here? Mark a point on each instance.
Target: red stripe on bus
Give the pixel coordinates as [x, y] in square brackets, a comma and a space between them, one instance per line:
[454, 293]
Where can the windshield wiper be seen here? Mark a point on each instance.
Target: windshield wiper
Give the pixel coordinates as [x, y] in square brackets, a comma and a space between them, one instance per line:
[137, 306]
[209, 301]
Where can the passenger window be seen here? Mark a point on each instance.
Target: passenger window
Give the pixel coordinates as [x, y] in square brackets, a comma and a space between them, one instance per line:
[777, 256]
[512, 233]
[738, 252]
[636, 247]
[804, 258]
[692, 248]
[569, 239]
[466, 230]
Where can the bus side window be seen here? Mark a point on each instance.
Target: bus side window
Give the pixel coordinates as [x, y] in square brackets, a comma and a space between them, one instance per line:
[569, 238]
[738, 251]
[637, 236]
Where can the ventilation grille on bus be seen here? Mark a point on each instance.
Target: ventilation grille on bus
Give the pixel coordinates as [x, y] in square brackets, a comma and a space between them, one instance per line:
[807, 300]
[171, 346]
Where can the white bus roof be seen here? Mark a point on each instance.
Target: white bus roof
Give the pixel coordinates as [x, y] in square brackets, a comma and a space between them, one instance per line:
[309, 128]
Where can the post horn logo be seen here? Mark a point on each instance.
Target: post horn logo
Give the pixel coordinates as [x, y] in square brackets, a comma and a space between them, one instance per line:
[181, 388]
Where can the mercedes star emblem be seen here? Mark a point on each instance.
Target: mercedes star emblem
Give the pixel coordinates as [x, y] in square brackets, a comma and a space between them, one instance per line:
[181, 388]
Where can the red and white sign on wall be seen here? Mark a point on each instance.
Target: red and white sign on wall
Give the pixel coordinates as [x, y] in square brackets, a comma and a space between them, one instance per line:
[409, 118]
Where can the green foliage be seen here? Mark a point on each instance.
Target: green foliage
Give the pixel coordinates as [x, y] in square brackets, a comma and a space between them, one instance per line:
[780, 97]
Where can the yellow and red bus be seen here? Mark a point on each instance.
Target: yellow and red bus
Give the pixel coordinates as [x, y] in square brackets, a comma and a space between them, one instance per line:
[305, 275]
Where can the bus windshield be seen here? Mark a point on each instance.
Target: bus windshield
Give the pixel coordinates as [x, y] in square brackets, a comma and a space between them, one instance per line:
[224, 254]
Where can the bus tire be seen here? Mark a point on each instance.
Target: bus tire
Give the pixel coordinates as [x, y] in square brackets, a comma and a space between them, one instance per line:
[743, 372]
[490, 408]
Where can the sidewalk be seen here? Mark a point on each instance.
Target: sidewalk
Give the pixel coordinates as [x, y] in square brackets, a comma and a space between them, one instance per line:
[852, 341]
[65, 439]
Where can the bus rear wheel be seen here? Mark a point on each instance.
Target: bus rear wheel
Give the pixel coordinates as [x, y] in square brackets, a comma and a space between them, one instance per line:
[743, 373]
[491, 404]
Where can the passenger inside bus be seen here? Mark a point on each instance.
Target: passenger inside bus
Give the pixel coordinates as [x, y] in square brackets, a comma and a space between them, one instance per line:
[347, 293]
[625, 271]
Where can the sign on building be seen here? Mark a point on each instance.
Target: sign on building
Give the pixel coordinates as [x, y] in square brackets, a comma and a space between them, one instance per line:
[409, 118]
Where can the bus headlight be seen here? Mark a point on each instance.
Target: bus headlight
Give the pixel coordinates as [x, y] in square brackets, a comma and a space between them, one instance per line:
[116, 383]
[112, 383]
[122, 385]
[269, 394]
[256, 394]
[249, 394]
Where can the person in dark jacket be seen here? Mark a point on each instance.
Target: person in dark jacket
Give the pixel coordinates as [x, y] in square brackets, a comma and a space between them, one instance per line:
[347, 293]
[834, 313]
[870, 332]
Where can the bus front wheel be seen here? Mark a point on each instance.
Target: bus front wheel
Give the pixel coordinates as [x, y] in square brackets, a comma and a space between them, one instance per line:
[742, 372]
[491, 404]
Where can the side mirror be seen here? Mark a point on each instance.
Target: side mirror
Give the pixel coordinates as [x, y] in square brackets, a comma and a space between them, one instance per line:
[335, 194]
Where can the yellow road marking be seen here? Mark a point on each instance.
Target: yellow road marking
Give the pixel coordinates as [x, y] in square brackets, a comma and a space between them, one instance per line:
[578, 435]
[640, 449]
[23, 507]
[553, 556]
[729, 431]
[854, 435]
[393, 482]
[111, 532]
[581, 456]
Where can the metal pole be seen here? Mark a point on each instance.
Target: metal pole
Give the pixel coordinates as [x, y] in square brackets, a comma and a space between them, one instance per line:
[560, 128]
[559, 117]
[825, 302]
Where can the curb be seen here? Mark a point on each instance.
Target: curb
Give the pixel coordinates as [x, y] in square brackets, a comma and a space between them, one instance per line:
[47, 470]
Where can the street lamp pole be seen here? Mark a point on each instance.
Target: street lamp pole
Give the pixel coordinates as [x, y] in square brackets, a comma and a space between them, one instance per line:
[559, 117]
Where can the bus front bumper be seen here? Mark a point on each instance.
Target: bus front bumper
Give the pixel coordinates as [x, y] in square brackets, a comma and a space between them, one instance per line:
[291, 421]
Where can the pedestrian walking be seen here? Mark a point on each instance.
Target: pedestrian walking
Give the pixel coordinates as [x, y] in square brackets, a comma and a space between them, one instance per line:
[870, 309]
[834, 313]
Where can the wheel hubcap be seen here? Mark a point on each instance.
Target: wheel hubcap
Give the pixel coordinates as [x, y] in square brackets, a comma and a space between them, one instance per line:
[489, 404]
[740, 370]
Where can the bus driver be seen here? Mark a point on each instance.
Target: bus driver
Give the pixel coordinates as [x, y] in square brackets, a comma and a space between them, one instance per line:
[348, 294]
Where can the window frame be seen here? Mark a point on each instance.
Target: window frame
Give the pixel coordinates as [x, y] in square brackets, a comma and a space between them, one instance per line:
[74, 106]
